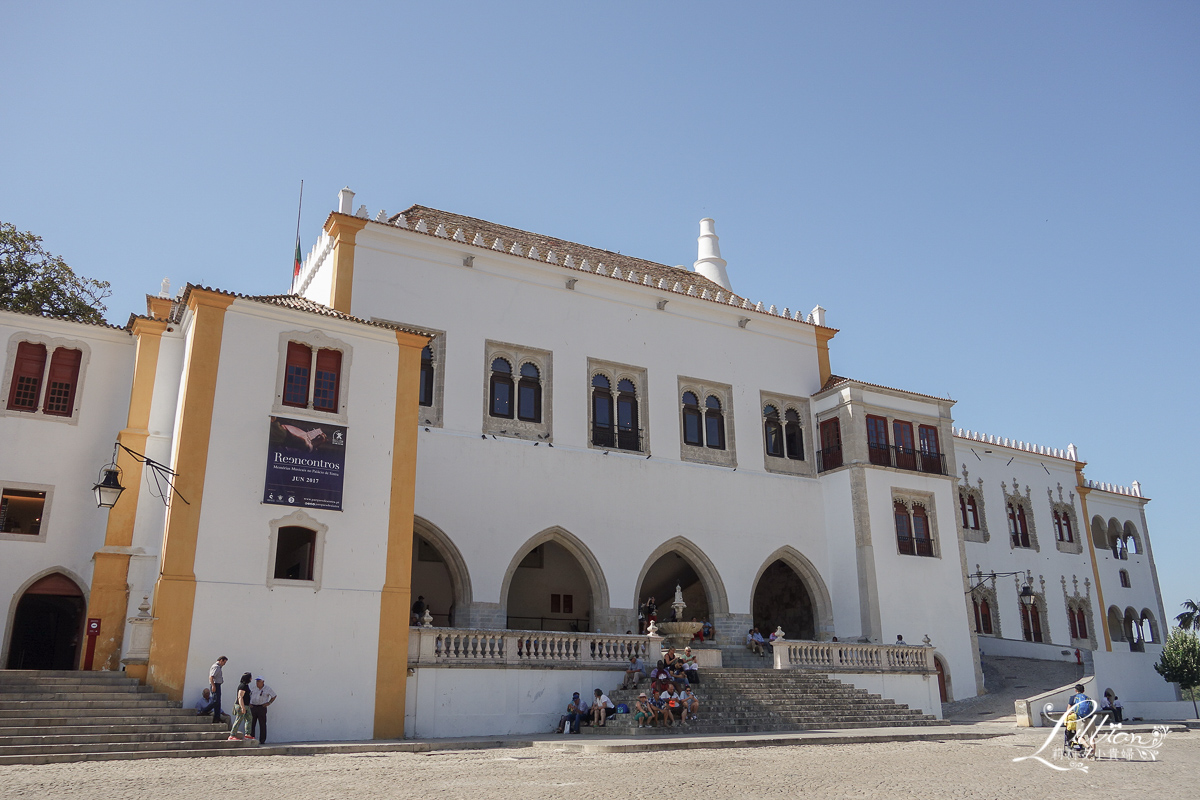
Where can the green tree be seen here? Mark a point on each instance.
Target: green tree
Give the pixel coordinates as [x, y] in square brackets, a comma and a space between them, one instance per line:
[1190, 618]
[36, 282]
[1180, 661]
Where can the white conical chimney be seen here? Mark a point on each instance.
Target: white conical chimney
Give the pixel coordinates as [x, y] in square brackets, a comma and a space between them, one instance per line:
[346, 201]
[708, 257]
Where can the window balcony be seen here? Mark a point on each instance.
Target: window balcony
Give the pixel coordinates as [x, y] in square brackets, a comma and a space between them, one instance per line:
[829, 458]
[882, 455]
[619, 439]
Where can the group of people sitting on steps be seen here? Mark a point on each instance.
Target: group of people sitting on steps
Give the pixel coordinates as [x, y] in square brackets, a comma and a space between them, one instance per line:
[669, 700]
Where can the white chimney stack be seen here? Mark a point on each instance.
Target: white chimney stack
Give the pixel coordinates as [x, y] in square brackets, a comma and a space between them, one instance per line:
[346, 201]
[818, 316]
[708, 258]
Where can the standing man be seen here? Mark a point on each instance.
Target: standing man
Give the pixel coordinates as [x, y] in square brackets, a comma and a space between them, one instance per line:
[215, 679]
[261, 696]
[418, 610]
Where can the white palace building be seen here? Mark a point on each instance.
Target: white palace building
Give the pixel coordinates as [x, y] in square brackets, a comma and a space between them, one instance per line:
[535, 436]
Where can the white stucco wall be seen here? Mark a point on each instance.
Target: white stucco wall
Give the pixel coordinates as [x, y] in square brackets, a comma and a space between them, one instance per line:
[62, 457]
[918, 692]
[448, 701]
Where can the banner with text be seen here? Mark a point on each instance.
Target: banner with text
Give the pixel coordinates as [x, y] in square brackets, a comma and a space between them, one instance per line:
[305, 464]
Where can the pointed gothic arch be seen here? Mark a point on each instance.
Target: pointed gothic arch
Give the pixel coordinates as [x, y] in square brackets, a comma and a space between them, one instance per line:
[700, 563]
[456, 570]
[79, 585]
[818, 592]
[587, 561]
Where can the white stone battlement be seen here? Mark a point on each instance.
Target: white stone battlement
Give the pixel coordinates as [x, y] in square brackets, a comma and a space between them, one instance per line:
[815, 317]
[1070, 454]
[1129, 491]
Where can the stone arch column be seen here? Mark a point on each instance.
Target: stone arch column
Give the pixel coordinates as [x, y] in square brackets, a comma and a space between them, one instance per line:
[818, 592]
[587, 561]
[456, 567]
[710, 579]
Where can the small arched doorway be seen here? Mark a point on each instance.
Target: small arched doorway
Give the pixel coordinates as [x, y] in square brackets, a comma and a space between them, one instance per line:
[439, 575]
[48, 625]
[943, 691]
[781, 600]
[671, 570]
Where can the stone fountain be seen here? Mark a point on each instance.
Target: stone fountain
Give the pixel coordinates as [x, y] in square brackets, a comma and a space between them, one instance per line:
[680, 632]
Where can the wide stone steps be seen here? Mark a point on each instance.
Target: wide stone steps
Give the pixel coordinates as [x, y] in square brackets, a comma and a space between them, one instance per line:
[749, 699]
[55, 717]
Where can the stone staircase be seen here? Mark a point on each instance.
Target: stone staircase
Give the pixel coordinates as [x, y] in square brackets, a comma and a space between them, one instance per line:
[749, 700]
[58, 716]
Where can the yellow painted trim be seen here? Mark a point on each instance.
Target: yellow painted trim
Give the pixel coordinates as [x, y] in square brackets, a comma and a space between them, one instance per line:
[1082, 487]
[823, 337]
[109, 598]
[343, 228]
[175, 591]
[159, 307]
[391, 671]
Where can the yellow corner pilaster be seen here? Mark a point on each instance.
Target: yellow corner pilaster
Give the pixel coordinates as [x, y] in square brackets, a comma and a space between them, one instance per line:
[823, 337]
[175, 591]
[343, 228]
[109, 597]
[392, 666]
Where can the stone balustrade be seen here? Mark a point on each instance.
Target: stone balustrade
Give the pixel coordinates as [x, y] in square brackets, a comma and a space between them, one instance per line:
[850, 657]
[470, 647]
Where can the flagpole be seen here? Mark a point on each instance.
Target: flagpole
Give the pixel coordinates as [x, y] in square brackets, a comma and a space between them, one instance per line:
[296, 268]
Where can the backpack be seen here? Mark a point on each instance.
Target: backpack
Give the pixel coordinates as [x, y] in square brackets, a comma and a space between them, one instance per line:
[622, 709]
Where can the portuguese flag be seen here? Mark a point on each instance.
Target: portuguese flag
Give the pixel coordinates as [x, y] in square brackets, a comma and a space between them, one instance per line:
[296, 271]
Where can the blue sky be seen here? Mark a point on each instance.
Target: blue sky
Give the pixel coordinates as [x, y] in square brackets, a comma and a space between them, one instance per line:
[996, 202]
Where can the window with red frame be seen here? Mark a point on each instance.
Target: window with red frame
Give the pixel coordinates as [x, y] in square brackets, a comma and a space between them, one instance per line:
[904, 538]
[312, 384]
[1018, 527]
[33, 384]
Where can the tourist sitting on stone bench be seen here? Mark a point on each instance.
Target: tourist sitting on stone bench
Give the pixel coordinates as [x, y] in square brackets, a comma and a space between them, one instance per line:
[602, 708]
[752, 644]
[690, 704]
[670, 705]
[577, 711]
[659, 678]
[645, 713]
[635, 670]
[691, 668]
[207, 704]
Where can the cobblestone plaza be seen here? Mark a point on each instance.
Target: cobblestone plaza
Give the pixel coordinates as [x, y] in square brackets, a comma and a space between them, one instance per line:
[981, 768]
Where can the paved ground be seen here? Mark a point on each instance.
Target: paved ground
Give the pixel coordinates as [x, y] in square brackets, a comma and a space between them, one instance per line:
[981, 768]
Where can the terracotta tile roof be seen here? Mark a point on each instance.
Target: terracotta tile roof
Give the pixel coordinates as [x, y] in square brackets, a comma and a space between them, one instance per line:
[483, 234]
[104, 324]
[837, 380]
[293, 302]
[491, 231]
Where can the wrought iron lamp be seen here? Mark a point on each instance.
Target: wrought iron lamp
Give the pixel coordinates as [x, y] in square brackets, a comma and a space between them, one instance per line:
[108, 488]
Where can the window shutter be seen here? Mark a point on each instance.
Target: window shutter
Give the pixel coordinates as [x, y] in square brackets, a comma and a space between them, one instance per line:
[61, 382]
[295, 386]
[26, 386]
[329, 376]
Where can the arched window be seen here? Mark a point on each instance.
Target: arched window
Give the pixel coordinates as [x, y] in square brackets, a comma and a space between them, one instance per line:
[1148, 633]
[502, 389]
[903, 529]
[1074, 623]
[773, 432]
[1031, 622]
[985, 614]
[1125, 579]
[978, 619]
[1081, 623]
[692, 420]
[962, 507]
[1018, 528]
[426, 376]
[628, 431]
[602, 412]
[793, 435]
[529, 394]
[1066, 521]
[1058, 528]
[972, 513]
[714, 424]
[1131, 545]
[921, 538]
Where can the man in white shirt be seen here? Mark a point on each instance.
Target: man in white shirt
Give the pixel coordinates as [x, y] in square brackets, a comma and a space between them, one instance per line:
[261, 696]
[215, 679]
[900, 640]
[601, 709]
